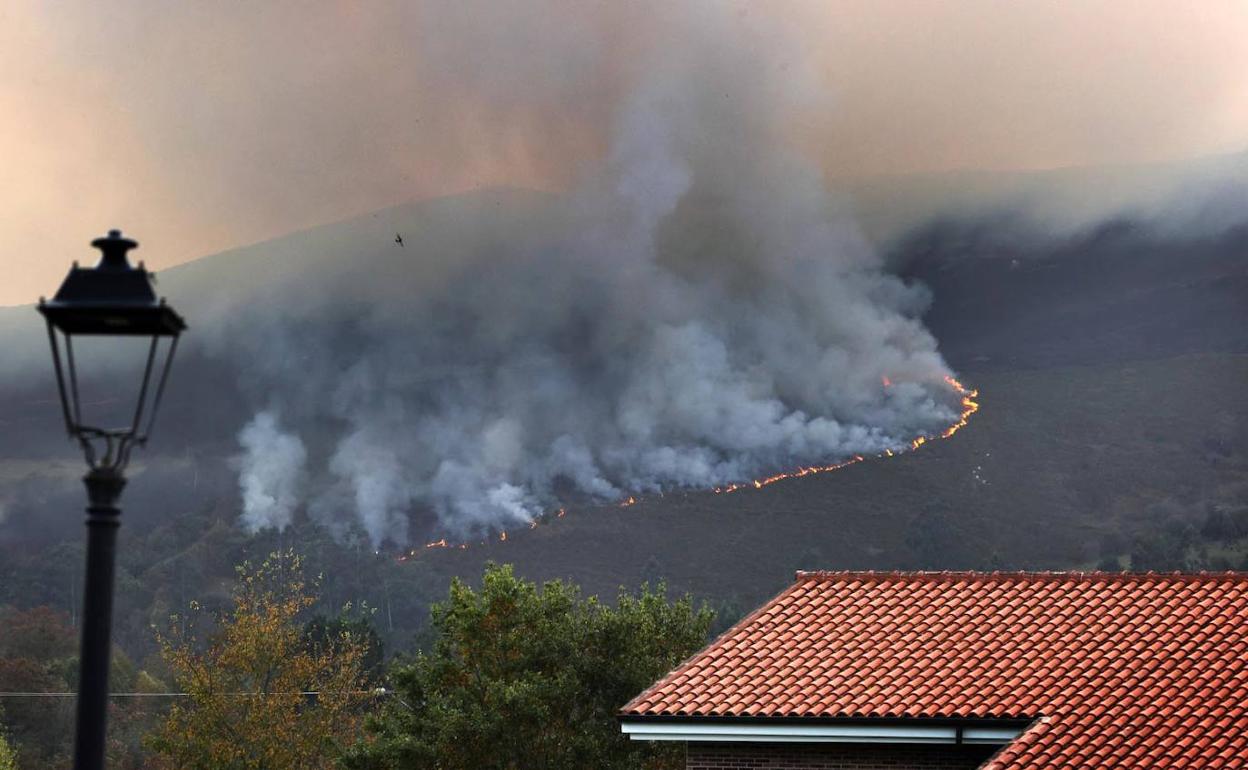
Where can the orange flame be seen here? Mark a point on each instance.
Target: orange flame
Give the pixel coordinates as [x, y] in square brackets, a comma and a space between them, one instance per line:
[969, 407]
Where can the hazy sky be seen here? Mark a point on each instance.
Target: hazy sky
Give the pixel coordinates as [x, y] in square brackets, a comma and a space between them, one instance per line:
[201, 126]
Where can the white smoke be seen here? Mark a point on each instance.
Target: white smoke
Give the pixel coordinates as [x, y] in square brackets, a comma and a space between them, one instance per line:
[271, 472]
[701, 312]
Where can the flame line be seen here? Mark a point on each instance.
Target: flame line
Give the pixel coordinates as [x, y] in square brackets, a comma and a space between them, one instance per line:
[969, 407]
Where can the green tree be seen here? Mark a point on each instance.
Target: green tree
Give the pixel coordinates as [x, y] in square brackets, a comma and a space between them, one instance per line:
[323, 634]
[8, 758]
[520, 677]
[247, 704]
[1174, 546]
[38, 654]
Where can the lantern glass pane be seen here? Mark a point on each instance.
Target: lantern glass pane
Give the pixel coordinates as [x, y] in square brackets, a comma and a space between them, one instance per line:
[108, 375]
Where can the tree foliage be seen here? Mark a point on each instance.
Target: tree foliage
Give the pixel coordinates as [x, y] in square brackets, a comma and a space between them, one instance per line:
[521, 678]
[38, 654]
[8, 758]
[246, 705]
[323, 634]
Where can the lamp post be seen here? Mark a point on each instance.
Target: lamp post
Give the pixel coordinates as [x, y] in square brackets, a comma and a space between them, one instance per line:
[113, 300]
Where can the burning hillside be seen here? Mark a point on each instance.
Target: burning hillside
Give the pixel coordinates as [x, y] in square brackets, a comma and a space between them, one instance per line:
[969, 407]
[699, 311]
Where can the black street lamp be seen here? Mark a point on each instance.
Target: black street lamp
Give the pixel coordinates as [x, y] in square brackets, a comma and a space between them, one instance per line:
[112, 299]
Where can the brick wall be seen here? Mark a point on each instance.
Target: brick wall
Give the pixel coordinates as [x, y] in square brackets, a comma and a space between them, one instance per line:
[833, 756]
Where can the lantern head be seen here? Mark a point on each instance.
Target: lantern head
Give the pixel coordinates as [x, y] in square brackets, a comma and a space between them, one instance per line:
[112, 299]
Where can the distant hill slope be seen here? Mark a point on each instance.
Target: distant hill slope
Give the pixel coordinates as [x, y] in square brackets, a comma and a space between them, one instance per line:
[1005, 297]
[282, 277]
[358, 250]
[1115, 404]
[1061, 467]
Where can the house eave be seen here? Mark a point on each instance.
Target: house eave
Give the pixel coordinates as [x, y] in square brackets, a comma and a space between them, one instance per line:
[852, 730]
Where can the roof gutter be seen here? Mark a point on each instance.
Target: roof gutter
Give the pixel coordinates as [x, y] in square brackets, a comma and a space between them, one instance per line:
[973, 732]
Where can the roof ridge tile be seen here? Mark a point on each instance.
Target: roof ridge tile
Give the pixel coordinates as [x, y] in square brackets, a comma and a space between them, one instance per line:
[979, 576]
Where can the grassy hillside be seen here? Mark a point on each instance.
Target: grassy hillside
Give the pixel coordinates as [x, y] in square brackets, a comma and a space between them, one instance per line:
[1114, 382]
[1059, 469]
[1059, 465]
[1007, 298]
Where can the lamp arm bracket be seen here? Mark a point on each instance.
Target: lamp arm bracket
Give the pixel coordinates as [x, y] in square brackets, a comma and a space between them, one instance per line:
[117, 447]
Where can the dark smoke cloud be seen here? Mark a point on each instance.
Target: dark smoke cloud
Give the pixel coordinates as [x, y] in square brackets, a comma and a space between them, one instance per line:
[201, 126]
[694, 308]
[698, 311]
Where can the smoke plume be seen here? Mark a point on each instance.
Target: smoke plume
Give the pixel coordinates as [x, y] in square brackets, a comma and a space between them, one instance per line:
[270, 473]
[693, 307]
[698, 311]
[214, 125]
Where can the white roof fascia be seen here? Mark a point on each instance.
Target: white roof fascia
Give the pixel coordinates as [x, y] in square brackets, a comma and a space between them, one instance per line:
[821, 733]
[1000, 735]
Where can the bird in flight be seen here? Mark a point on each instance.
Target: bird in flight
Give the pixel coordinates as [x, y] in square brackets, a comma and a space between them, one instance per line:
[398, 238]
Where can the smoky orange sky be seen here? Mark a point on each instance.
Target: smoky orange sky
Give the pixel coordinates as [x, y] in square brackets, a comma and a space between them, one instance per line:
[197, 127]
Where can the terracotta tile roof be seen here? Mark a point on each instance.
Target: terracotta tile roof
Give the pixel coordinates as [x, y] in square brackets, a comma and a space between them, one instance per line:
[1118, 670]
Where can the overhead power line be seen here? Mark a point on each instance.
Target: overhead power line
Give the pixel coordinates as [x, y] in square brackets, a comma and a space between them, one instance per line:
[380, 691]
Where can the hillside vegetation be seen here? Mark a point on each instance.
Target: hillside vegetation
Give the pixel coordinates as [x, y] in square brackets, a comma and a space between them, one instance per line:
[1060, 469]
[1112, 373]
